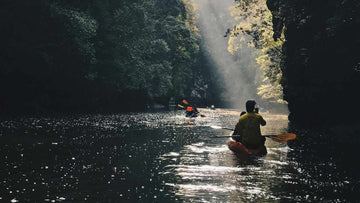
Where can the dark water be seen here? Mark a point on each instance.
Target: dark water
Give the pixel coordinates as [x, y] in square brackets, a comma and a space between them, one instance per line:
[158, 157]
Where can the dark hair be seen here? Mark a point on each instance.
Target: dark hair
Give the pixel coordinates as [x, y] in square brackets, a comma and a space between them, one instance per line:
[250, 105]
[242, 113]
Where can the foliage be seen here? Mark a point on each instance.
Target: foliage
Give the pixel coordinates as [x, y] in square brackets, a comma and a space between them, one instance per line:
[256, 21]
[92, 55]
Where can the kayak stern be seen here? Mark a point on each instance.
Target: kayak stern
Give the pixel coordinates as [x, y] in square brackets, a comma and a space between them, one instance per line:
[239, 148]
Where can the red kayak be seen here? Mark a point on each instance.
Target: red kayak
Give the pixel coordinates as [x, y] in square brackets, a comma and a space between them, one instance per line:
[239, 148]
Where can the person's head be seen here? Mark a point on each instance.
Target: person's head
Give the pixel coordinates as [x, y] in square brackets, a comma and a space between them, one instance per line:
[250, 105]
[242, 113]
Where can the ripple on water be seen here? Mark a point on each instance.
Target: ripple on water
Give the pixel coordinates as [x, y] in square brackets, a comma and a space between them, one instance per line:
[207, 167]
[139, 156]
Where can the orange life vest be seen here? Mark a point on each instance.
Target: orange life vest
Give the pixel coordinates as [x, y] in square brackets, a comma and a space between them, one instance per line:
[189, 108]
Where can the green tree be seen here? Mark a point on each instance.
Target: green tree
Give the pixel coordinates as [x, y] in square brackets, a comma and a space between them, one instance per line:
[256, 21]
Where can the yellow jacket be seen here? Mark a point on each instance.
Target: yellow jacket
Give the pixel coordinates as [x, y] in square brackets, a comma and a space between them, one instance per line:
[249, 129]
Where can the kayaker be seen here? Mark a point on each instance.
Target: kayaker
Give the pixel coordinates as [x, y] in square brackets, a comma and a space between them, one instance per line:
[191, 111]
[249, 127]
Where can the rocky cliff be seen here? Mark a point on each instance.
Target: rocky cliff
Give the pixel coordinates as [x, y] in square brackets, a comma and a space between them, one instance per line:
[321, 66]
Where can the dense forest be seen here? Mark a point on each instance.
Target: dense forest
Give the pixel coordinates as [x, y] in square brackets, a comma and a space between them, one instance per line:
[81, 56]
[91, 56]
[255, 20]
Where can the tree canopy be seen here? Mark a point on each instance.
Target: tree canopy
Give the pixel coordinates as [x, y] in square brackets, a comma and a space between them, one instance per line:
[92, 55]
[255, 20]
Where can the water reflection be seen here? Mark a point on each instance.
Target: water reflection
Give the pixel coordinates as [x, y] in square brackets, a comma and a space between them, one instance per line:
[208, 171]
[158, 157]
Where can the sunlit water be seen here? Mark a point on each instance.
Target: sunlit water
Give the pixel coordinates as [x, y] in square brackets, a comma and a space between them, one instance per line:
[159, 157]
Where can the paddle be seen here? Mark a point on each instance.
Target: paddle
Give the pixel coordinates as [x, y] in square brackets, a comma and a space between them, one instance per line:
[219, 127]
[281, 137]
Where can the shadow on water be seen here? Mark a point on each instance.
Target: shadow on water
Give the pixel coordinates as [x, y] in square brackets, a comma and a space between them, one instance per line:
[158, 157]
[328, 161]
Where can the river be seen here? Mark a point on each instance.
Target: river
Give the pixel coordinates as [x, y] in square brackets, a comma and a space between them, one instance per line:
[163, 157]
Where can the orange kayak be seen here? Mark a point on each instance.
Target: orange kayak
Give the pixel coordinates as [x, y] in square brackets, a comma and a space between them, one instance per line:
[239, 148]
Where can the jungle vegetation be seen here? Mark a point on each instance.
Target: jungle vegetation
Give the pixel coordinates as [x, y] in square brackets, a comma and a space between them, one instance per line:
[255, 20]
[72, 56]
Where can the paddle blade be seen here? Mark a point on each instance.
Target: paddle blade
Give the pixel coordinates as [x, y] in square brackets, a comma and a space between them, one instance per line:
[181, 106]
[185, 102]
[283, 137]
[202, 115]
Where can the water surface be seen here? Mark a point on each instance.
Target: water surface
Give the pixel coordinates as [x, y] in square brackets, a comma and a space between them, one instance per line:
[159, 157]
